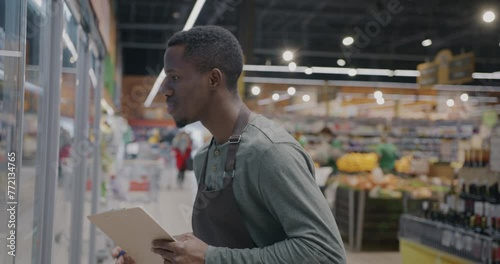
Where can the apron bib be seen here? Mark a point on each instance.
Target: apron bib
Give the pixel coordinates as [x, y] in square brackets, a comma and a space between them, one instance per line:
[217, 219]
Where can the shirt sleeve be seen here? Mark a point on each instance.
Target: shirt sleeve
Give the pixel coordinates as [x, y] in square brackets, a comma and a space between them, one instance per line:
[288, 189]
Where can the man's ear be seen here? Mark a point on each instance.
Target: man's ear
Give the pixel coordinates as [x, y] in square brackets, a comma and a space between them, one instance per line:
[215, 79]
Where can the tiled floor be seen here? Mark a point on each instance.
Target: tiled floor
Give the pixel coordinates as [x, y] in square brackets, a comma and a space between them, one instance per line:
[173, 210]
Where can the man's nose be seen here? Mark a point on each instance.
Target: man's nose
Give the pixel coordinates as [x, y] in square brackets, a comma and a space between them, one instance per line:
[164, 89]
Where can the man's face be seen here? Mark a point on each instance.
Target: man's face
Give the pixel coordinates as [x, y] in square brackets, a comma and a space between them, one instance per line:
[185, 88]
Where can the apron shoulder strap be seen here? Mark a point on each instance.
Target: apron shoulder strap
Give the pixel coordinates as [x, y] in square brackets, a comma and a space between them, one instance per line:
[205, 162]
[234, 140]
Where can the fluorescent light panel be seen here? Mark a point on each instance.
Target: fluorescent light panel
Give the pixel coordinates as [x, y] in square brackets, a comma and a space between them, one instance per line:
[107, 107]
[10, 53]
[155, 89]
[93, 78]
[194, 14]
[485, 75]
[70, 45]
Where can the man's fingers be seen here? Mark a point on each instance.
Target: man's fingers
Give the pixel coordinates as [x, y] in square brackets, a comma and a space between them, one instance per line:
[164, 244]
[116, 251]
[183, 237]
[165, 254]
[160, 243]
[120, 260]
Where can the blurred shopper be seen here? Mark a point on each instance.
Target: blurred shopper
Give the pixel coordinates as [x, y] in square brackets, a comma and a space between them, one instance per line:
[388, 154]
[182, 147]
[337, 150]
[257, 200]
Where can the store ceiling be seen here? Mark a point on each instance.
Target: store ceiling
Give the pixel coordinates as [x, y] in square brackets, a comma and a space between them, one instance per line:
[315, 30]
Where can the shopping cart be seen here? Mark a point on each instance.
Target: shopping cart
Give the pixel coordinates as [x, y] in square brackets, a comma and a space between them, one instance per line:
[137, 180]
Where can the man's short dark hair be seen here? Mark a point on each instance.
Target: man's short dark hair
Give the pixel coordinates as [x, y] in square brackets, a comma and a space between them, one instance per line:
[209, 47]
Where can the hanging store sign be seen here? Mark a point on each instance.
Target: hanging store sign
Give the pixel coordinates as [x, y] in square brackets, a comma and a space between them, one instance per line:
[428, 75]
[446, 69]
[461, 68]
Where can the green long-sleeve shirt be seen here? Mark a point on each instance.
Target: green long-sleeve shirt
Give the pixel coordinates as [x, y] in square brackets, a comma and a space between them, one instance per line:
[284, 211]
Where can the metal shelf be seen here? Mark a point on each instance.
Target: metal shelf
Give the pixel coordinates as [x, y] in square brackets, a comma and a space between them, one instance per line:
[444, 237]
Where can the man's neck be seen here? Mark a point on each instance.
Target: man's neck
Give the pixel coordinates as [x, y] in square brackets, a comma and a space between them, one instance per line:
[221, 118]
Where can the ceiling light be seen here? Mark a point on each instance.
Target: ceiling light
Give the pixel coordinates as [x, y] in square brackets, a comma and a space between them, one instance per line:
[489, 16]
[107, 107]
[288, 55]
[450, 102]
[427, 42]
[380, 101]
[352, 72]
[292, 66]
[406, 73]
[176, 15]
[93, 77]
[464, 97]
[348, 41]
[256, 90]
[70, 45]
[308, 71]
[276, 97]
[341, 62]
[194, 14]
[378, 94]
[155, 89]
[306, 98]
[291, 90]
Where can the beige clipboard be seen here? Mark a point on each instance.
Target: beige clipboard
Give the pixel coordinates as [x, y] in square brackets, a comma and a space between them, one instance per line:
[133, 229]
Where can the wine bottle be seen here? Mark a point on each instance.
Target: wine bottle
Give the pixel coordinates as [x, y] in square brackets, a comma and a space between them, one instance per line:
[492, 204]
[471, 201]
[462, 206]
[425, 210]
[451, 202]
[479, 207]
[434, 212]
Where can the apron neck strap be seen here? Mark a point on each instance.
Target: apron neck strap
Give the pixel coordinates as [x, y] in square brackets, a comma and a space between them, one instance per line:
[234, 141]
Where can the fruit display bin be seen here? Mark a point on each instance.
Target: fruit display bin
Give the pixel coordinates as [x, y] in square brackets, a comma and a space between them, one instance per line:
[365, 223]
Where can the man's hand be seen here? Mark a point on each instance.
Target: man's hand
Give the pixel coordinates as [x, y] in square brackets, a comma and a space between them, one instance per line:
[122, 259]
[188, 249]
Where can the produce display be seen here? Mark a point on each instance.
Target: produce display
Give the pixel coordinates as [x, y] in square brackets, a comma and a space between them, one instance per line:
[403, 165]
[357, 162]
[391, 186]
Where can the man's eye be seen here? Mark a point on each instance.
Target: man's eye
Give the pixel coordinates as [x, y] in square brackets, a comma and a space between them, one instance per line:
[175, 77]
